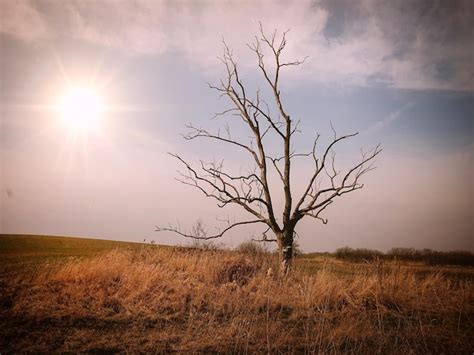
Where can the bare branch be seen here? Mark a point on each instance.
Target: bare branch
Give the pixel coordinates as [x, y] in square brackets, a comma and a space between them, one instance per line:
[265, 238]
[319, 168]
[202, 133]
[210, 188]
[355, 173]
[315, 214]
[201, 234]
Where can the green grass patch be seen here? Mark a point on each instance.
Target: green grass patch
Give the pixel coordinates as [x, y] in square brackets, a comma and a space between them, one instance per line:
[30, 251]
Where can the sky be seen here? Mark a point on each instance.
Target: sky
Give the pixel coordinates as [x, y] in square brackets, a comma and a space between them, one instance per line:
[401, 73]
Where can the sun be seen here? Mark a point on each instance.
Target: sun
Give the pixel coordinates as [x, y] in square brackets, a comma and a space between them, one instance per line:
[81, 108]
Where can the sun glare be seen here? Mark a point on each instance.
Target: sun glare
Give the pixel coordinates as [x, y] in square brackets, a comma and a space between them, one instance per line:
[81, 108]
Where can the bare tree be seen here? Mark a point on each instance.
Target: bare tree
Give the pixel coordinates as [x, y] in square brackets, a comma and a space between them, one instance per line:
[251, 191]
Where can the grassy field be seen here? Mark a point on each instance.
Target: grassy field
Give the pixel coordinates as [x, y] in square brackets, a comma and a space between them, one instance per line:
[37, 246]
[21, 252]
[83, 295]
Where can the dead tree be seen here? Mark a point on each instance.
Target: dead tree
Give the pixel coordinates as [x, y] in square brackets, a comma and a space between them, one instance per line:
[251, 191]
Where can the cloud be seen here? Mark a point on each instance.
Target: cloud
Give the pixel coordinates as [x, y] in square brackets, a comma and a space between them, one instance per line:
[413, 45]
[21, 19]
[388, 120]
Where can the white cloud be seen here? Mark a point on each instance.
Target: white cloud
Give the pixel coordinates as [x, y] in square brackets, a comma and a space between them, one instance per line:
[381, 43]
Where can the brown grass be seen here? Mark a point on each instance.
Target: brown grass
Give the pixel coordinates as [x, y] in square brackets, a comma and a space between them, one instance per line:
[156, 300]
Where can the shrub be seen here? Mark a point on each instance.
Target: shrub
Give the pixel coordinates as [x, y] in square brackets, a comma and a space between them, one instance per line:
[359, 254]
[251, 248]
[237, 270]
[426, 256]
[432, 257]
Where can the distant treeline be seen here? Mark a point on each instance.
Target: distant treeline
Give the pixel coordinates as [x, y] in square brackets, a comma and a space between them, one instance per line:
[427, 256]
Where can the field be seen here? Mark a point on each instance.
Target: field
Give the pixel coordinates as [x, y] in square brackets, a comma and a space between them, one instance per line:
[82, 295]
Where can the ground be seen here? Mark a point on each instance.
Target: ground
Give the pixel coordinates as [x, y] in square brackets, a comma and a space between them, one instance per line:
[84, 295]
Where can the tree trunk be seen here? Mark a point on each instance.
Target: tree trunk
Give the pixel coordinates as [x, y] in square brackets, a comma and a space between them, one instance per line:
[285, 249]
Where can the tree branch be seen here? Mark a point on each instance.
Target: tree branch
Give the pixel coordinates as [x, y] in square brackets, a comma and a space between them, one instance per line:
[200, 233]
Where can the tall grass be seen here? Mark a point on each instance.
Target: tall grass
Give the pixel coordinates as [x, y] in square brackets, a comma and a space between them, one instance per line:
[188, 300]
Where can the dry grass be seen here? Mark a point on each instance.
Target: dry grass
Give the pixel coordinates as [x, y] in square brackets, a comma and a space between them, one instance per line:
[157, 300]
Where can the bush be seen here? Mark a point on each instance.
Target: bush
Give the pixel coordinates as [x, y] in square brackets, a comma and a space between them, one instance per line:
[433, 257]
[426, 256]
[251, 248]
[359, 254]
[237, 270]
